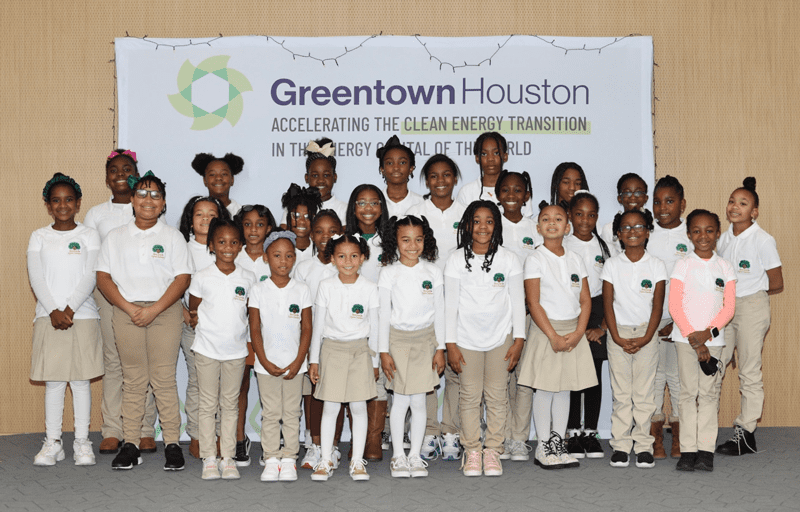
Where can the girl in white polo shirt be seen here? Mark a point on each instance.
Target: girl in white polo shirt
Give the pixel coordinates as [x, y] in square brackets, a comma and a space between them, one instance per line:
[343, 356]
[754, 255]
[485, 313]
[301, 205]
[218, 176]
[633, 293]
[143, 269]
[280, 327]
[396, 164]
[218, 294]
[66, 331]
[411, 338]
[702, 302]
[557, 358]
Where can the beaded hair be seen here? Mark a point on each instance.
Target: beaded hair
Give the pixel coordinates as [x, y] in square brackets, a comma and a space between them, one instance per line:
[296, 196]
[465, 228]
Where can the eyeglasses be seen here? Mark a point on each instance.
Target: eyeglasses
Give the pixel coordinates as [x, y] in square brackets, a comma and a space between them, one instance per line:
[637, 194]
[628, 229]
[364, 204]
[155, 194]
[299, 216]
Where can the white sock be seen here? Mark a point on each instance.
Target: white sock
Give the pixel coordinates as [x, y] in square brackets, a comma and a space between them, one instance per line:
[560, 412]
[419, 420]
[397, 419]
[358, 411]
[54, 408]
[330, 411]
[81, 407]
[542, 404]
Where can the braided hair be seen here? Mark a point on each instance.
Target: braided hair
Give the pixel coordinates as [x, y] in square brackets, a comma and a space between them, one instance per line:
[311, 156]
[524, 176]
[465, 228]
[297, 196]
[644, 214]
[389, 244]
[586, 196]
[478, 147]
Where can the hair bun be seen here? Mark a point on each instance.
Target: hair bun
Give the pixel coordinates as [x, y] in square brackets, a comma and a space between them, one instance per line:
[542, 205]
[393, 141]
[749, 183]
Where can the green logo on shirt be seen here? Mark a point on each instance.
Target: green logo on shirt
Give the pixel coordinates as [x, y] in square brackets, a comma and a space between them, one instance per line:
[744, 264]
[427, 285]
[264, 278]
[158, 249]
[380, 258]
[720, 283]
[599, 259]
[240, 291]
[681, 248]
[499, 278]
[74, 246]
[455, 225]
[575, 278]
[358, 309]
[647, 284]
[527, 240]
[294, 308]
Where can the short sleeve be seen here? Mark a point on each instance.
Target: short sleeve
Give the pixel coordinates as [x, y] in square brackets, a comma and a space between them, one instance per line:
[93, 240]
[533, 267]
[660, 271]
[607, 274]
[385, 278]
[35, 243]
[103, 263]
[768, 254]
[255, 295]
[679, 270]
[305, 296]
[196, 286]
[582, 272]
[728, 271]
[181, 261]
[516, 264]
[451, 267]
[438, 276]
[374, 297]
[322, 295]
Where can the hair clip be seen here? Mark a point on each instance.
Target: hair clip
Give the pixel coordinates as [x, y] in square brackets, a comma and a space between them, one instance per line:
[133, 180]
[275, 235]
[328, 149]
[336, 237]
[356, 236]
[127, 152]
[581, 191]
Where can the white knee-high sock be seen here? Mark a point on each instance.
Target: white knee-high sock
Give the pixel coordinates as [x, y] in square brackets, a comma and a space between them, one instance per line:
[81, 407]
[419, 418]
[54, 408]
[330, 411]
[358, 410]
[560, 411]
[397, 419]
[542, 405]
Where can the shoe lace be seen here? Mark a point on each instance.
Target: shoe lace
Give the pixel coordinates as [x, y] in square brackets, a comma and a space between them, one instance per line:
[416, 462]
[491, 458]
[437, 446]
[323, 465]
[83, 448]
[470, 459]
[358, 465]
[550, 449]
[558, 444]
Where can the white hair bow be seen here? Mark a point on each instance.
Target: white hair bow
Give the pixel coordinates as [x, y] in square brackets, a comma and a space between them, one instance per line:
[327, 150]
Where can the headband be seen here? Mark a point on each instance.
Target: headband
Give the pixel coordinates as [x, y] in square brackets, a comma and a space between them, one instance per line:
[133, 180]
[61, 179]
[328, 149]
[127, 152]
[354, 235]
[581, 191]
[275, 235]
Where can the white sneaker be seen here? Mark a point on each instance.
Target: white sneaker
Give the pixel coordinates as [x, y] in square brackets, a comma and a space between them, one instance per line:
[51, 452]
[507, 444]
[307, 439]
[336, 457]
[358, 470]
[322, 471]
[82, 453]
[567, 460]
[288, 470]
[272, 470]
[451, 447]
[311, 457]
[210, 469]
[431, 447]
[519, 451]
[229, 469]
[417, 466]
[399, 467]
[546, 457]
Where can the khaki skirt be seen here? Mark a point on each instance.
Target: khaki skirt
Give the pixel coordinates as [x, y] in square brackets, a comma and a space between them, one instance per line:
[413, 352]
[74, 354]
[543, 368]
[345, 371]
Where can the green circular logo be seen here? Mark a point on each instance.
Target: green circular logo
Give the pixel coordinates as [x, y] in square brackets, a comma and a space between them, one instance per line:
[74, 246]
[427, 285]
[294, 308]
[744, 264]
[720, 283]
[240, 291]
[358, 309]
[574, 278]
[599, 259]
[264, 278]
[682, 248]
[158, 249]
[647, 284]
[527, 240]
[499, 278]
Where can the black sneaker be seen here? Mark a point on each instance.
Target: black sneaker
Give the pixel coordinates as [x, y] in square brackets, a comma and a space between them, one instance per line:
[174, 458]
[127, 457]
[705, 461]
[687, 461]
[574, 446]
[742, 443]
[242, 457]
[645, 460]
[591, 445]
[619, 459]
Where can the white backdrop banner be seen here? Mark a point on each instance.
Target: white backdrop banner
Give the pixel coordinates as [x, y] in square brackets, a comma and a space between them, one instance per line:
[584, 100]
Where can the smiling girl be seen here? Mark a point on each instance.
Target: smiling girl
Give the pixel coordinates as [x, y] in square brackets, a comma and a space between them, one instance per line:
[396, 165]
[218, 176]
[301, 204]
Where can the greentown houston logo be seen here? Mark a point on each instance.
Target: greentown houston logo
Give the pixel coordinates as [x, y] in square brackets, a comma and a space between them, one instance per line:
[231, 110]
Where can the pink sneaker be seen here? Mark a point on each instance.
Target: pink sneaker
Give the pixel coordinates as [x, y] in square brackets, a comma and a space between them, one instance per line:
[491, 463]
[471, 463]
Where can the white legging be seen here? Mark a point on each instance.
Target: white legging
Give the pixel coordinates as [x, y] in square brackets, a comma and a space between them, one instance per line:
[54, 392]
[358, 428]
[401, 404]
[549, 405]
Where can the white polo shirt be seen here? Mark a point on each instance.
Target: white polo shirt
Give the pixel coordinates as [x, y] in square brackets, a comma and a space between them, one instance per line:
[634, 285]
[751, 253]
[340, 207]
[233, 208]
[201, 259]
[371, 268]
[305, 254]
[704, 283]
[444, 225]
[593, 259]
[312, 272]
[107, 216]
[221, 331]
[413, 291]
[258, 267]
[670, 246]
[484, 307]
[143, 263]
[399, 209]
[607, 234]
[61, 270]
[560, 281]
[347, 307]
[280, 311]
[471, 191]
[521, 237]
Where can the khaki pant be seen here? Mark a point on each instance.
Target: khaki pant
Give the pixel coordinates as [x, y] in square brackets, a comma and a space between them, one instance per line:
[699, 403]
[451, 423]
[666, 376]
[218, 390]
[111, 404]
[746, 334]
[632, 378]
[485, 375]
[281, 402]
[191, 404]
[520, 409]
[149, 355]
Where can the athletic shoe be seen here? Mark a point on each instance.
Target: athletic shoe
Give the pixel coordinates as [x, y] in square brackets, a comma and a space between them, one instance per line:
[399, 467]
[705, 461]
[127, 457]
[687, 461]
[742, 443]
[491, 463]
[358, 470]
[242, 457]
[82, 453]
[451, 447]
[174, 458]
[229, 471]
[51, 452]
[567, 460]
[574, 444]
[591, 445]
[322, 471]
[311, 457]
[471, 464]
[210, 469]
[546, 457]
[506, 455]
[336, 457]
[272, 470]
[519, 451]
[645, 460]
[431, 447]
[386, 441]
[619, 459]
[417, 466]
[288, 470]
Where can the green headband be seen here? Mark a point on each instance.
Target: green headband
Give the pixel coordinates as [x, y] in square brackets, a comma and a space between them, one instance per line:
[61, 179]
